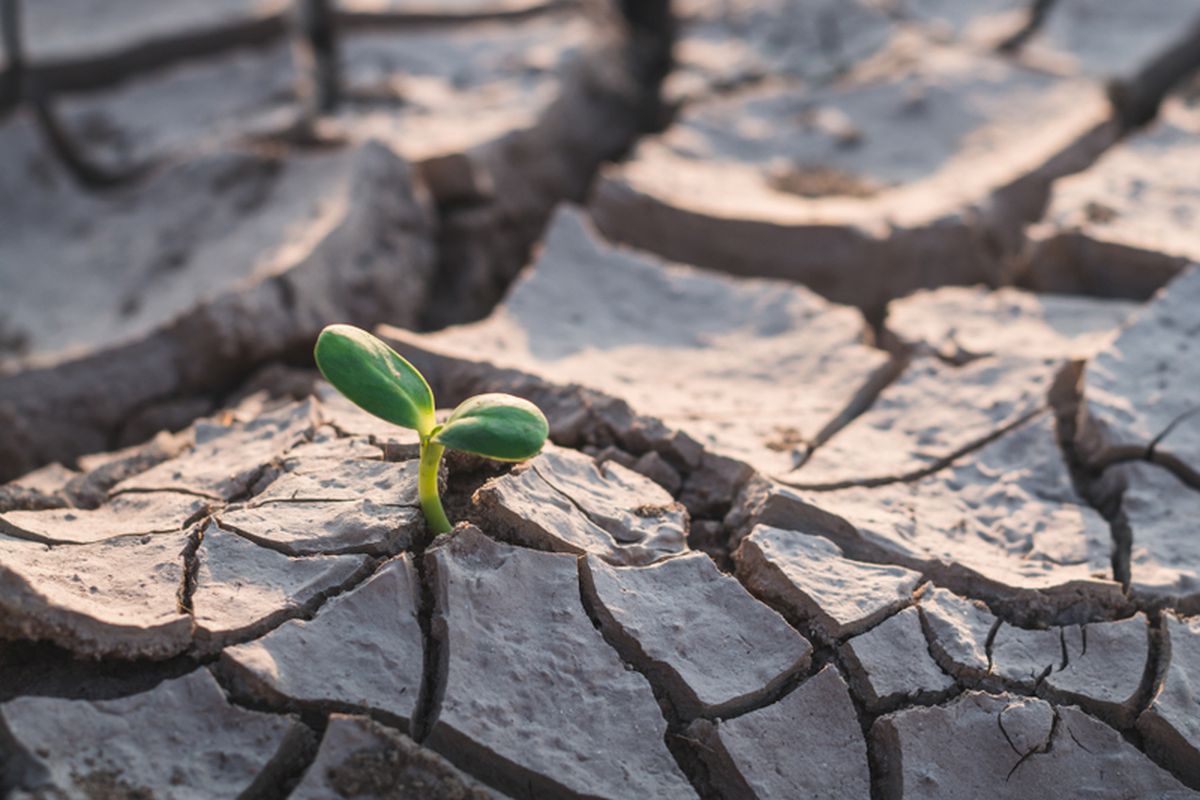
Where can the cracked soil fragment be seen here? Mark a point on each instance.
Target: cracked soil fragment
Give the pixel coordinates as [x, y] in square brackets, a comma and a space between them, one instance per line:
[310, 528]
[335, 479]
[181, 739]
[959, 631]
[362, 652]
[959, 323]
[714, 376]
[565, 501]
[242, 590]
[1107, 668]
[133, 514]
[1025, 656]
[118, 597]
[1143, 385]
[1002, 746]
[890, 663]
[723, 45]
[1171, 724]
[936, 148]
[144, 327]
[807, 744]
[328, 499]
[701, 635]
[535, 701]
[1003, 523]
[809, 579]
[1160, 512]
[1104, 40]
[1100, 666]
[1123, 227]
[227, 459]
[361, 758]
[930, 414]
[68, 30]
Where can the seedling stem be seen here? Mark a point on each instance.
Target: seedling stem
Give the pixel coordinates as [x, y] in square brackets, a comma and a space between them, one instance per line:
[427, 487]
[378, 380]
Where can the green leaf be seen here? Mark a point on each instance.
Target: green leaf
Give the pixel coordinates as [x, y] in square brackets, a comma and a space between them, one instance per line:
[375, 377]
[497, 426]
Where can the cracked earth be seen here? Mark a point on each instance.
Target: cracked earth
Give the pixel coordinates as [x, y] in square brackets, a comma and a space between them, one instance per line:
[867, 334]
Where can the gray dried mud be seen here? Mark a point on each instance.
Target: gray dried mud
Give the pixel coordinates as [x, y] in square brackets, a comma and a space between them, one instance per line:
[361, 652]
[699, 633]
[49, 407]
[1017, 747]
[823, 753]
[808, 578]
[700, 374]
[1121, 228]
[836, 503]
[531, 688]
[1156, 515]
[359, 757]
[890, 664]
[913, 171]
[1170, 722]
[564, 501]
[507, 663]
[131, 747]
[1050, 559]
[1140, 391]
[430, 182]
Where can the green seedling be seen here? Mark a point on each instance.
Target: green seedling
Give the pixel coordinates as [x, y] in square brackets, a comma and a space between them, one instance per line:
[380, 381]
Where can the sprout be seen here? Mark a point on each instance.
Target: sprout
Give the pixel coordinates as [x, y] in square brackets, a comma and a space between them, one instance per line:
[377, 379]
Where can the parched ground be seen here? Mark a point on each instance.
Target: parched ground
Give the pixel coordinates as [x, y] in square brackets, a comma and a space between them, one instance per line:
[869, 339]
